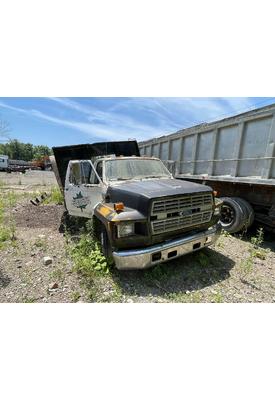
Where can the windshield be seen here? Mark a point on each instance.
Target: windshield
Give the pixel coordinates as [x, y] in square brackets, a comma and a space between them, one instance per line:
[125, 169]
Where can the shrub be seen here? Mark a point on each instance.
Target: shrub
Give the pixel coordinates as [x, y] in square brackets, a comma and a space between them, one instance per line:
[87, 257]
[56, 197]
[6, 234]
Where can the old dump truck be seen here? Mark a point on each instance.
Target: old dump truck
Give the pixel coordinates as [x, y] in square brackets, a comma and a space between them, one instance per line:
[235, 156]
[145, 216]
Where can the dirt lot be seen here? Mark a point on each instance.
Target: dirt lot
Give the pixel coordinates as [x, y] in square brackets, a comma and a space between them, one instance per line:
[235, 270]
[31, 179]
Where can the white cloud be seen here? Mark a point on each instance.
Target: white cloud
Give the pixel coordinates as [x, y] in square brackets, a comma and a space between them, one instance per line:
[115, 130]
[127, 118]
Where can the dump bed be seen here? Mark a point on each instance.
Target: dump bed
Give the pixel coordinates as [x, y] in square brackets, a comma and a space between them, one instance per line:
[235, 149]
[62, 155]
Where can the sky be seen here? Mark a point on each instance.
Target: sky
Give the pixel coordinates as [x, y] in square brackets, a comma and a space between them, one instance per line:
[64, 121]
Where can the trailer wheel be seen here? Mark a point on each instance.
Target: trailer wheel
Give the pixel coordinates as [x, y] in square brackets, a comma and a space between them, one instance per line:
[232, 215]
[248, 210]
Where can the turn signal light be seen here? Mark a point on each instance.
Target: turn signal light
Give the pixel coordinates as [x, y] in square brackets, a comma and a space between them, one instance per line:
[119, 207]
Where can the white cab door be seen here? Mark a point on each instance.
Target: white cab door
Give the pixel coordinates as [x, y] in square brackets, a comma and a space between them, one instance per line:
[83, 189]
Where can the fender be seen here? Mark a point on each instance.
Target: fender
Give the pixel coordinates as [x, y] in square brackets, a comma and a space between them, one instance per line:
[105, 212]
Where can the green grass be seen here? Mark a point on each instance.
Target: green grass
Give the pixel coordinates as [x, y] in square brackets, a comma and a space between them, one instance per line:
[57, 274]
[255, 251]
[75, 296]
[225, 233]
[28, 300]
[6, 235]
[55, 197]
[203, 259]
[1, 210]
[159, 272]
[93, 269]
[218, 298]
[7, 228]
[87, 256]
[181, 297]
[41, 243]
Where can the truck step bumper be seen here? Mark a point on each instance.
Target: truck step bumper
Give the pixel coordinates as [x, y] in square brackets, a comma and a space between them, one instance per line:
[149, 256]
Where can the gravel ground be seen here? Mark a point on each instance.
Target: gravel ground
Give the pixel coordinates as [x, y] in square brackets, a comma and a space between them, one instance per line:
[232, 271]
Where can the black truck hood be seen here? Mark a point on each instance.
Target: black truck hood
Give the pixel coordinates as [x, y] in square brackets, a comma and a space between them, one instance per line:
[137, 194]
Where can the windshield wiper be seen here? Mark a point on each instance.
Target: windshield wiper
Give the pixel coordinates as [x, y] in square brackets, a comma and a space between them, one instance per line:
[156, 176]
[138, 177]
[121, 179]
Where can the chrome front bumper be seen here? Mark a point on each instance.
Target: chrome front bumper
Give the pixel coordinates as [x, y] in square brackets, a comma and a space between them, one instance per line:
[149, 256]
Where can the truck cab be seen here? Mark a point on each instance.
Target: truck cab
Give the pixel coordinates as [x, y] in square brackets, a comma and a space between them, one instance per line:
[146, 216]
[4, 162]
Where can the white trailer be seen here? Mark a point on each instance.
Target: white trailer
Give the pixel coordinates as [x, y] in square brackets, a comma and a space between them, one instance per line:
[235, 156]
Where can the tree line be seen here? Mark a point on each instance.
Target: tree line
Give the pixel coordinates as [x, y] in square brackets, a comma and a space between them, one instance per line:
[24, 151]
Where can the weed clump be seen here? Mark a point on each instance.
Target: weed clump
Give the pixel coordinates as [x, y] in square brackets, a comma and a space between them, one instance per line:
[55, 197]
[7, 227]
[88, 258]
[256, 251]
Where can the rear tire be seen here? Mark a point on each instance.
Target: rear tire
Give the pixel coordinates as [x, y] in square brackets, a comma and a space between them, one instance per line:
[248, 210]
[233, 217]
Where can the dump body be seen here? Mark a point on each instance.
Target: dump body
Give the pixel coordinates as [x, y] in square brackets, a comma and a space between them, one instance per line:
[236, 156]
[62, 155]
[240, 147]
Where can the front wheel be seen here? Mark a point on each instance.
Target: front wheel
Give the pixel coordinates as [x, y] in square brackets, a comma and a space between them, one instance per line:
[105, 242]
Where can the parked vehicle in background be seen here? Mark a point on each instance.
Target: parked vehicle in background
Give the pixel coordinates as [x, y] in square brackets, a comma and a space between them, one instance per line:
[235, 156]
[42, 163]
[142, 214]
[19, 165]
[4, 162]
[9, 165]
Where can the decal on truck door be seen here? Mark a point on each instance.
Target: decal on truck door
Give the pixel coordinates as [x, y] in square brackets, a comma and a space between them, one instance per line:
[80, 201]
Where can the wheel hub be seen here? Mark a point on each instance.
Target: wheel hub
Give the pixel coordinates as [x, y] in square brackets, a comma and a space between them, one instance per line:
[227, 215]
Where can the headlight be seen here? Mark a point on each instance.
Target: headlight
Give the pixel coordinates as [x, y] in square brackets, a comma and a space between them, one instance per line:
[217, 211]
[124, 230]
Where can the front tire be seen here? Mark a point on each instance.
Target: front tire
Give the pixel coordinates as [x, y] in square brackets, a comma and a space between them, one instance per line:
[105, 242]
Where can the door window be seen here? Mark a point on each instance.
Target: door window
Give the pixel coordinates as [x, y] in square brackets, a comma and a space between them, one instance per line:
[75, 174]
[94, 178]
[99, 169]
[86, 172]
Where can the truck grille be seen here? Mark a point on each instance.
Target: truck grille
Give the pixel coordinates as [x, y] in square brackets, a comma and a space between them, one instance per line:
[180, 212]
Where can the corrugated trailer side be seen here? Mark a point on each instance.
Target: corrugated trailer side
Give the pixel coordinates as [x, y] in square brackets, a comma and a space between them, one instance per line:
[236, 156]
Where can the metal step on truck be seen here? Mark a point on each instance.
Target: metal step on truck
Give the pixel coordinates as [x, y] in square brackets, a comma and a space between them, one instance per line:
[144, 215]
[235, 156]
